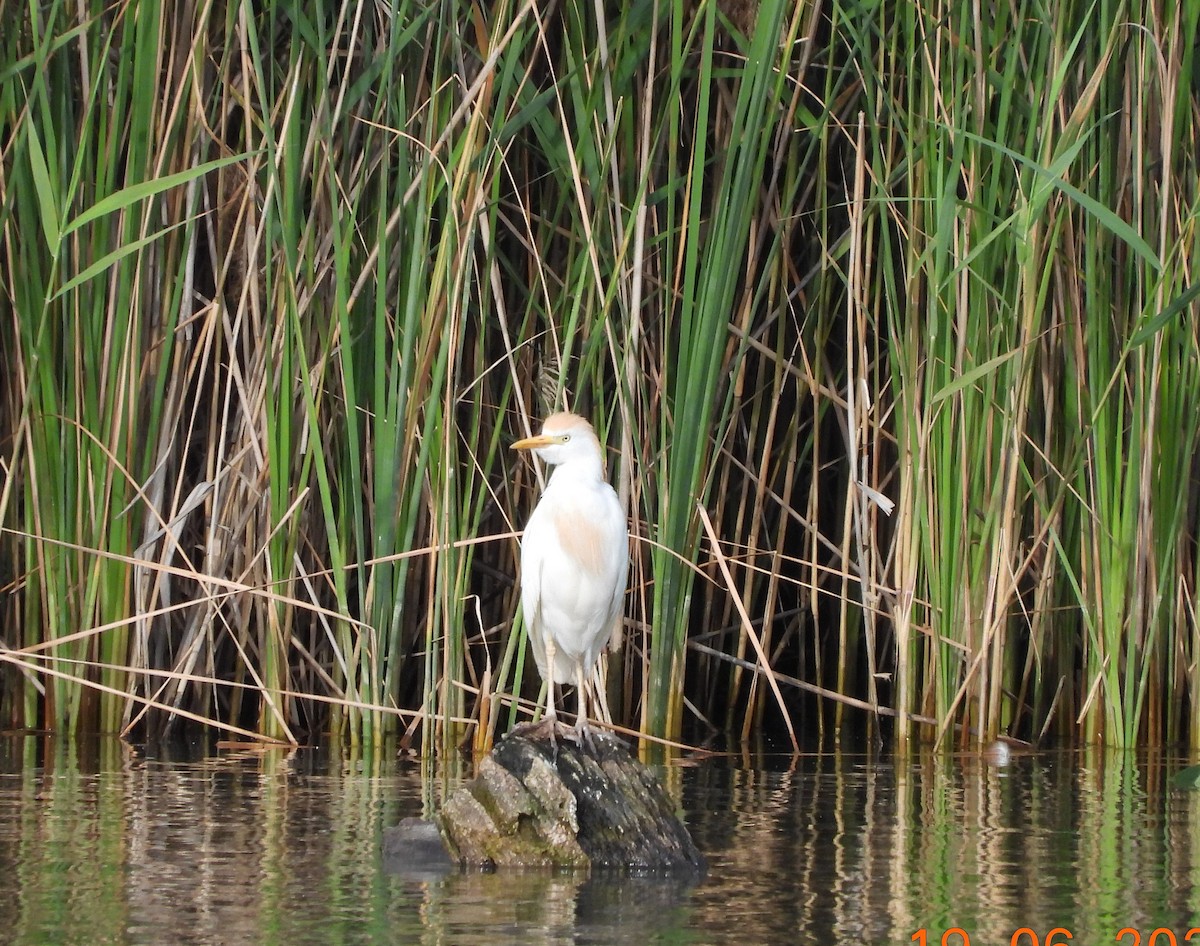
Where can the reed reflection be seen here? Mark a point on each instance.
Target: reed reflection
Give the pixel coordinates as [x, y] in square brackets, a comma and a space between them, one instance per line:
[108, 845]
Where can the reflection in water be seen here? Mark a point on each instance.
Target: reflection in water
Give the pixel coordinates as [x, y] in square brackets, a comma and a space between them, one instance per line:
[538, 907]
[109, 846]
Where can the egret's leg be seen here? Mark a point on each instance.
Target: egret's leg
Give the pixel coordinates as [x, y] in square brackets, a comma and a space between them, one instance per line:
[581, 720]
[545, 727]
[551, 653]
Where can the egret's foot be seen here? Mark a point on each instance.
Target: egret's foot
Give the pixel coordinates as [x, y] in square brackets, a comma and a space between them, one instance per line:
[547, 729]
[598, 741]
[585, 736]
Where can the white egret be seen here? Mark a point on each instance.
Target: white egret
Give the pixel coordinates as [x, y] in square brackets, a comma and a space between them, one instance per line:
[574, 559]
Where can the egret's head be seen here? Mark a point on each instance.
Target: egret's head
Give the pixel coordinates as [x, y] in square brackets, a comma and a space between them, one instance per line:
[564, 438]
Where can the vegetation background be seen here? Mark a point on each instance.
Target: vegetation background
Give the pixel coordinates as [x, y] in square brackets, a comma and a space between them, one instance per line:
[885, 311]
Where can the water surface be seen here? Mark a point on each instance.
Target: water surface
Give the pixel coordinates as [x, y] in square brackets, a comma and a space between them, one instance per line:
[108, 844]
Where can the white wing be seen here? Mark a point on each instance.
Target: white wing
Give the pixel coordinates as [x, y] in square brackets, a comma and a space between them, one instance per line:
[535, 550]
[574, 565]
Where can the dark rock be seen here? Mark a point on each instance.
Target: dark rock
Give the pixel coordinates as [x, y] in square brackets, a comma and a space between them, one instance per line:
[536, 804]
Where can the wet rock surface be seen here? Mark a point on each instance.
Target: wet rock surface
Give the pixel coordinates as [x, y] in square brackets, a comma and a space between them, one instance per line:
[537, 804]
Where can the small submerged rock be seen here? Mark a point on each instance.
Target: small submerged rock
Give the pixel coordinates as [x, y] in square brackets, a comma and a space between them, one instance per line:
[1188, 778]
[414, 848]
[535, 804]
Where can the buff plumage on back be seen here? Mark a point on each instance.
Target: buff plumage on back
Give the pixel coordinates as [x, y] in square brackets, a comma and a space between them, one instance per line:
[581, 540]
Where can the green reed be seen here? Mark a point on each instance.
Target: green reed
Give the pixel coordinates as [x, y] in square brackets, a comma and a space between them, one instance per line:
[1029, 422]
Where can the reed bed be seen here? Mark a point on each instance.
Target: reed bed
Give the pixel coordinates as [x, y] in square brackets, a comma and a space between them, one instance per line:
[885, 312]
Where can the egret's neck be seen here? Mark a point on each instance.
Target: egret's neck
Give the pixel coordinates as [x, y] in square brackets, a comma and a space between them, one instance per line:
[585, 469]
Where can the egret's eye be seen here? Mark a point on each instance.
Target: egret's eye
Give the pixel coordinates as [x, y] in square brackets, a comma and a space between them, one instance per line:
[566, 438]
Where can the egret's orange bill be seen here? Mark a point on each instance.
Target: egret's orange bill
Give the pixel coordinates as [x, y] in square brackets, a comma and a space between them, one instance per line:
[541, 440]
